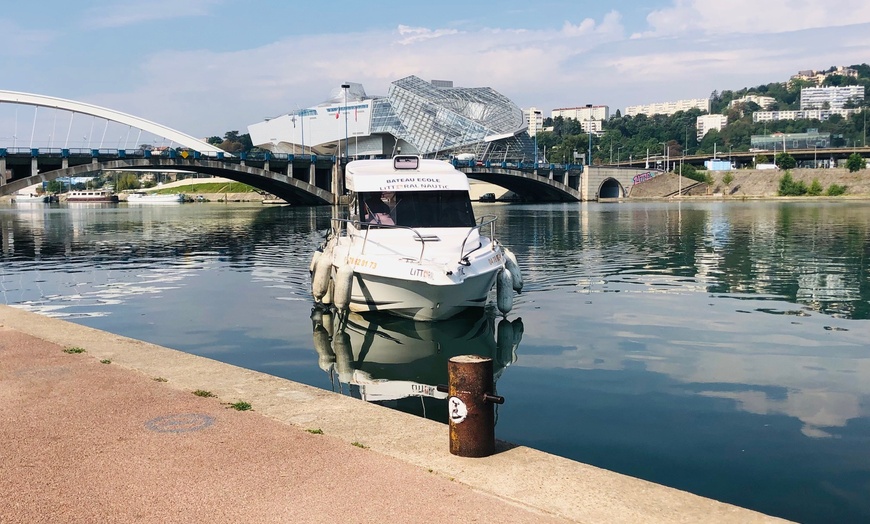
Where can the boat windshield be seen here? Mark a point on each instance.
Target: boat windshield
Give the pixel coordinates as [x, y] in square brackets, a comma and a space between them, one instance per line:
[417, 208]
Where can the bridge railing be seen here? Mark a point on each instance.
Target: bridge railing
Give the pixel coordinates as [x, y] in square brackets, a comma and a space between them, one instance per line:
[520, 165]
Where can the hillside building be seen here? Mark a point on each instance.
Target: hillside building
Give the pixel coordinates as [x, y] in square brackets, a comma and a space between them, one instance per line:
[797, 114]
[669, 108]
[590, 117]
[830, 97]
[763, 101]
[705, 123]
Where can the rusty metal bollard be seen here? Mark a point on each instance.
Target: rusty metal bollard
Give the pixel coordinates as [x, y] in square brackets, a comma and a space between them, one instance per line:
[470, 406]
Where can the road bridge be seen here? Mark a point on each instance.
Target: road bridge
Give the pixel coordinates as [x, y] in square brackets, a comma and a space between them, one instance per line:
[298, 179]
[808, 157]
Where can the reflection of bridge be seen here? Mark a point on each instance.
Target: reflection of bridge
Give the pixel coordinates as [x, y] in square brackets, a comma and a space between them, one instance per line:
[299, 179]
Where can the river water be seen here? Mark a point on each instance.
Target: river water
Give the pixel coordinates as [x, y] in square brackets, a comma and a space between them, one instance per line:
[719, 348]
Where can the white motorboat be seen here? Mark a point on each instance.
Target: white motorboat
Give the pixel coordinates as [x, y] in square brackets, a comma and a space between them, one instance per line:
[92, 195]
[30, 198]
[411, 245]
[141, 197]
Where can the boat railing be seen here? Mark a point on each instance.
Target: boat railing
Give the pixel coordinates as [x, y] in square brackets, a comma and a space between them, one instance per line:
[485, 220]
[340, 228]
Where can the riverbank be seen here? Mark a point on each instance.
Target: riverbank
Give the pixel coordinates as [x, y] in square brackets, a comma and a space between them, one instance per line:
[751, 183]
[117, 433]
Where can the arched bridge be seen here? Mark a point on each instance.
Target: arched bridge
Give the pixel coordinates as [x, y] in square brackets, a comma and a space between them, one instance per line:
[299, 179]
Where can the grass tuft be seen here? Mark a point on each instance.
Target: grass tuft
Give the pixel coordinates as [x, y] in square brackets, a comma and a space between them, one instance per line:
[105, 361]
[317, 431]
[241, 406]
[160, 379]
[74, 350]
[359, 445]
[203, 393]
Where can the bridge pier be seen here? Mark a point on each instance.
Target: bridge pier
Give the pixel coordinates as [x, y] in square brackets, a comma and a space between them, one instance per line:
[34, 166]
[4, 176]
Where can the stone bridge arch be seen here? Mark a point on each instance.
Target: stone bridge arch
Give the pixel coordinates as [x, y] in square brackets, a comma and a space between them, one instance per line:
[293, 190]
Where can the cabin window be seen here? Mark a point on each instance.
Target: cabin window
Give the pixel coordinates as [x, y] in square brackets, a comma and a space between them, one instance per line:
[418, 209]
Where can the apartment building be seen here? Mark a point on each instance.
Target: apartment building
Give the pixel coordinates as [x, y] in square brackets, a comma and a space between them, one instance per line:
[705, 123]
[669, 108]
[830, 97]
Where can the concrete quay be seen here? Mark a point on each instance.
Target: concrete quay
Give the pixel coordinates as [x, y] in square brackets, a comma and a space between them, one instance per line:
[115, 434]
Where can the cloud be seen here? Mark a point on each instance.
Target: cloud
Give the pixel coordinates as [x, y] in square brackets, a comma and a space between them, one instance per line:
[413, 35]
[753, 17]
[131, 13]
[571, 63]
[27, 42]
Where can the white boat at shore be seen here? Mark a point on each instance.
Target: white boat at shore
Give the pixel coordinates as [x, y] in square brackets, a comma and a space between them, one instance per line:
[141, 197]
[411, 245]
[92, 196]
[33, 198]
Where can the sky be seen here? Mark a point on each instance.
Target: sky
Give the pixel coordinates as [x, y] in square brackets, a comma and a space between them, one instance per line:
[205, 67]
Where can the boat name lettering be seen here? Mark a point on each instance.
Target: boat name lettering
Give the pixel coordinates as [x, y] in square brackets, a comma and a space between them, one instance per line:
[405, 184]
[496, 259]
[423, 389]
[420, 272]
[361, 262]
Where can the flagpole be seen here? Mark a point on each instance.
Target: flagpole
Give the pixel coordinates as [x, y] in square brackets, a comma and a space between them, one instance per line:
[345, 87]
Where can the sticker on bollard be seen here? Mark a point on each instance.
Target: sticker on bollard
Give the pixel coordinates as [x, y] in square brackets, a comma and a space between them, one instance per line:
[458, 410]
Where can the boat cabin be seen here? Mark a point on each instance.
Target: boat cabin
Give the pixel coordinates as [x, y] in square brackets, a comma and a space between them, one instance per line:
[408, 191]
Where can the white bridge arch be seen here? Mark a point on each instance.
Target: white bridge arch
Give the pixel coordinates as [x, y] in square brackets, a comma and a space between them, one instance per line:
[182, 139]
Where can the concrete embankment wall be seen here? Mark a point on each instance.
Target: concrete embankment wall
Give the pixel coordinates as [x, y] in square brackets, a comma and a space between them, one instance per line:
[552, 485]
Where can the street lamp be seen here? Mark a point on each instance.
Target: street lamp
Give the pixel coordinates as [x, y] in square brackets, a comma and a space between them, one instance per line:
[618, 150]
[589, 132]
[345, 87]
[535, 116]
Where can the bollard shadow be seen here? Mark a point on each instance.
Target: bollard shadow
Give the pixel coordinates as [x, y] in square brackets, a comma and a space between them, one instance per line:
[400, 363]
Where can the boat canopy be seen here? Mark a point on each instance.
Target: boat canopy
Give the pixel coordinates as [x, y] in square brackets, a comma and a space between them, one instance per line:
[404, 173]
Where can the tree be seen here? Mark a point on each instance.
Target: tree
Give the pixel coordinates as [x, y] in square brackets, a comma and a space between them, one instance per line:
[855, 162]
[785, 161]
[127, 181]
[789, 187]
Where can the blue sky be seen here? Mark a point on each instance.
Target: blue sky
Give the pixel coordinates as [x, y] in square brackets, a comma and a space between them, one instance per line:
[206, 67]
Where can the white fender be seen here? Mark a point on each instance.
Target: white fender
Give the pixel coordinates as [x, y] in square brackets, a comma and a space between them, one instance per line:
[504, 291]
[342, 288]
[322, 272]
[314, 258]
[512, 266]
[327, 298]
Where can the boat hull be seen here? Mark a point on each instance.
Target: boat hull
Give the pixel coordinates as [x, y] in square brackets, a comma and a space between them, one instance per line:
[177, 198]
[419, 300]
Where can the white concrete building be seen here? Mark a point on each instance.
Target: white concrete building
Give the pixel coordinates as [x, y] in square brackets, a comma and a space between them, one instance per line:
[669, 108]
[830, 97]
[588, 112]
[763, 101]
[705, 123]
[534, 119]
[797, 114]
[591, 117]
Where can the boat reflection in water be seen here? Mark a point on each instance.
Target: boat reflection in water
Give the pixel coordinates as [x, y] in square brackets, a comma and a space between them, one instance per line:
[399, 363]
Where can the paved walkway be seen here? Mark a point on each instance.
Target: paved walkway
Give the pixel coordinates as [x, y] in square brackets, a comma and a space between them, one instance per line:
[94, 437]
